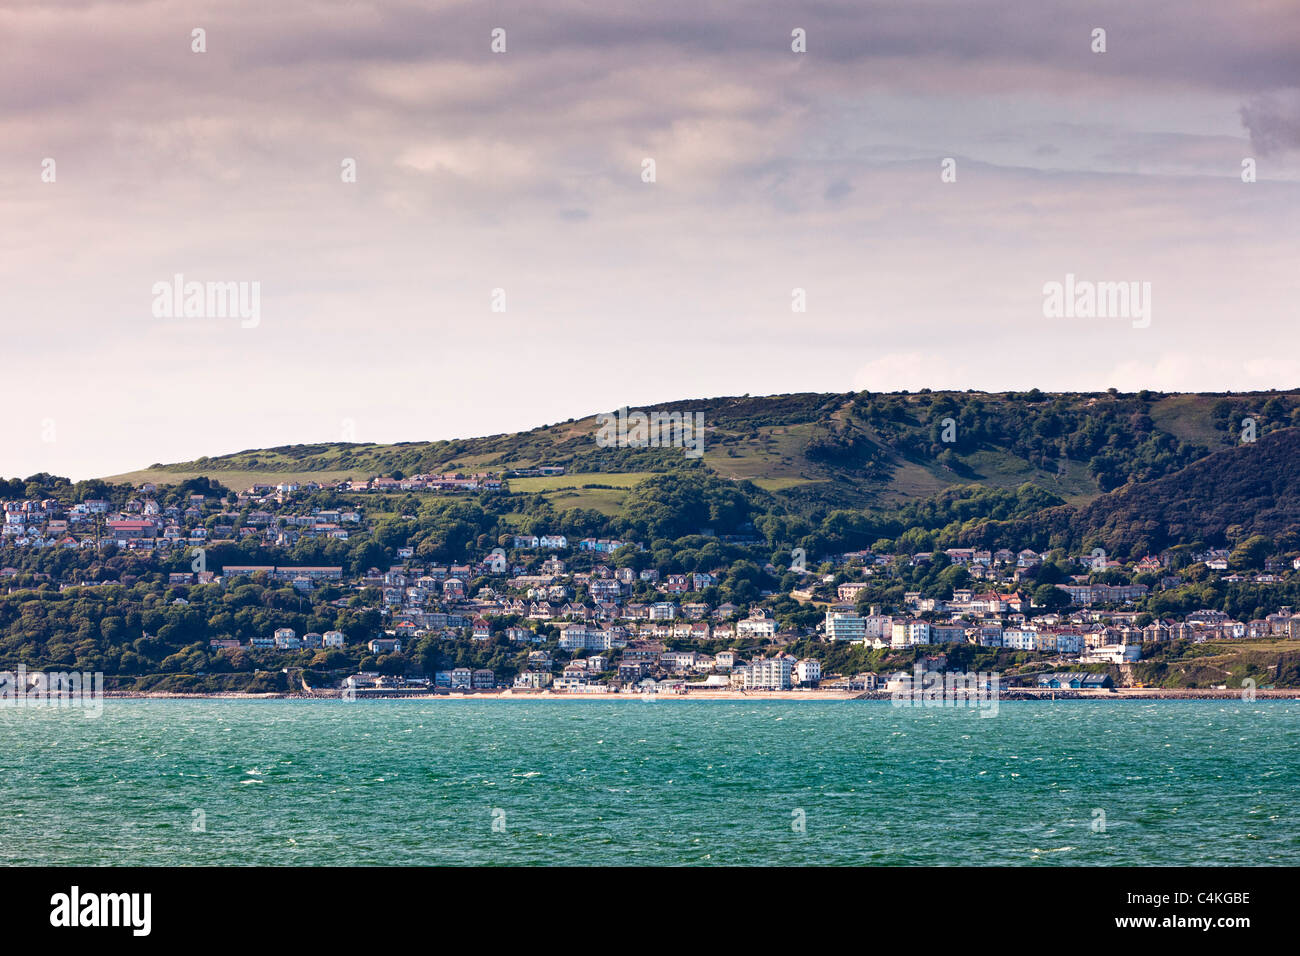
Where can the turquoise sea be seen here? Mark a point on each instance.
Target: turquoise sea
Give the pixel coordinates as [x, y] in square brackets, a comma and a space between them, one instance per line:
[282, 782]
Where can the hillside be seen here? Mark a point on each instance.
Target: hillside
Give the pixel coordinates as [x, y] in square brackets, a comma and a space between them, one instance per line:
[1254, 487]
[818, 451]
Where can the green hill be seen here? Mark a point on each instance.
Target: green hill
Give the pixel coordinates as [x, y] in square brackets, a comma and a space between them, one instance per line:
[817, 451]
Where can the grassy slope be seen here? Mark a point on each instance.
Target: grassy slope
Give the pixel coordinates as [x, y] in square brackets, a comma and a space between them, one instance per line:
[759, 439]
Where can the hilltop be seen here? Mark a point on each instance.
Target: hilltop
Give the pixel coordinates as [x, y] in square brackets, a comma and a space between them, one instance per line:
[815, 452]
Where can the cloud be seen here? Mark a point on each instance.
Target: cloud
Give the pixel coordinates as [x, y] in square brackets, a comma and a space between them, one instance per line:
[1185, 372]
[837, 190]
[775, 170]
[1273, 120]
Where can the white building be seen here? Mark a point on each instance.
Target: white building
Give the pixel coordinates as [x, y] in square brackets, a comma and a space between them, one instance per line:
[774, 674]
[756, 627]
[533, 680]
[908, 632]
[1020, 638]
[849, 628]
[1113, 654]
[808, 671]
[580, 637]
[663, 611]
[879, 625]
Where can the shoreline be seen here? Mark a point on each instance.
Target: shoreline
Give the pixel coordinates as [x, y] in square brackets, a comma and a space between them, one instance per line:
[1016, 694]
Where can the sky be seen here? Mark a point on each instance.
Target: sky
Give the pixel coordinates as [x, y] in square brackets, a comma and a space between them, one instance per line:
[501, 261]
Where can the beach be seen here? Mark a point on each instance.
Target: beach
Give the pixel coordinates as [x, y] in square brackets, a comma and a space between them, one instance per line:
[794, 696]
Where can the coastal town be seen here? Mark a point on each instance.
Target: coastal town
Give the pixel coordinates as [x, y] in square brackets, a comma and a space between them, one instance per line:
[591, 615]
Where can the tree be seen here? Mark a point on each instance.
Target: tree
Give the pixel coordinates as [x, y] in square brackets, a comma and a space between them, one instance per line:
[1050, 597]
[1251, 552]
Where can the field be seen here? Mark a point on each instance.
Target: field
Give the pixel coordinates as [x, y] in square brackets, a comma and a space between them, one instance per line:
[575, 481]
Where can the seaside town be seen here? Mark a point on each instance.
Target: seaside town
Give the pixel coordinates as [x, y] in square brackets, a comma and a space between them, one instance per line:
[589, 615]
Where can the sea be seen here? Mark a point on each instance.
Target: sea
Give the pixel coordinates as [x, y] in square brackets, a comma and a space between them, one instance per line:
[650, 782]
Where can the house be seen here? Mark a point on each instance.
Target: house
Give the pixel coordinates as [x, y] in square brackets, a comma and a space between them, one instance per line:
[385, 645]
[756, 626]
[850, 590]
[866, 681]
[629, 672]
[678, 660]
[602, 545]
[533, 680]
[663, 611]
[127, 530]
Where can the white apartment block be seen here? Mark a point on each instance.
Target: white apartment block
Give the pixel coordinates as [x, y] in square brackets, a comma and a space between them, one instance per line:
[847, 628]
[775, 674]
